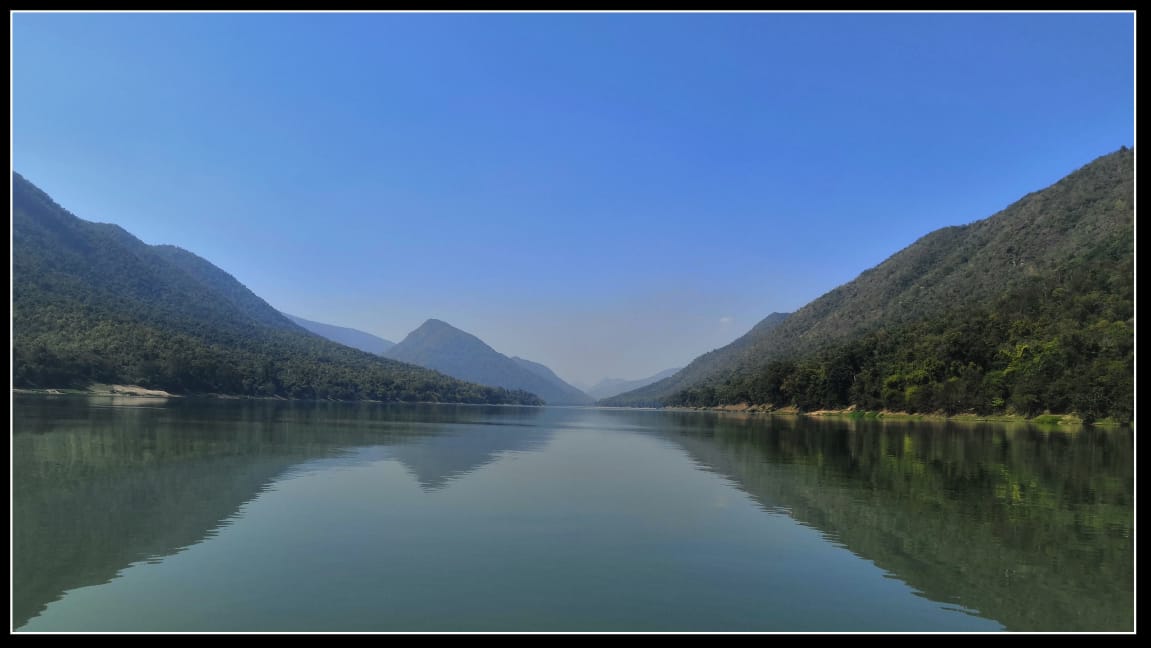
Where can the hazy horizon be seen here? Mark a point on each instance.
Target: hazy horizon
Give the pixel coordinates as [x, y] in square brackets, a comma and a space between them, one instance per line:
[608, 194]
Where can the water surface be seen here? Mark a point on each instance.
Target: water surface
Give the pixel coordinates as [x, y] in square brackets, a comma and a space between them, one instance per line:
[185, 515]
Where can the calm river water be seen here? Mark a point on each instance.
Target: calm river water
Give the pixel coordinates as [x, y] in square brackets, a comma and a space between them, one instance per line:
[217, 515]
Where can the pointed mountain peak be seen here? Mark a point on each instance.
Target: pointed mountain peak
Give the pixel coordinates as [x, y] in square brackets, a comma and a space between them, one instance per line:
[438, 334]
[445, 348]
[433, 324]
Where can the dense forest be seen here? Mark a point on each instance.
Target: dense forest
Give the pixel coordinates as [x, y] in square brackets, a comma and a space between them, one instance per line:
[1062, 344]
[92, 303]
[1029, 311]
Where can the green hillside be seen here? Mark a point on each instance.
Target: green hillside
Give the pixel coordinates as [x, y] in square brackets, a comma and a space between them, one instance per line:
[1030, 310]
[92, 303]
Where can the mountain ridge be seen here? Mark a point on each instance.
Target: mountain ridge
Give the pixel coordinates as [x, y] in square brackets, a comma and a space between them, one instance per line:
[608, 387]
[345, 335]
[435, 344]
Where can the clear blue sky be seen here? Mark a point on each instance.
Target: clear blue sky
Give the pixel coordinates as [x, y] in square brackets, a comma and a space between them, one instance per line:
[609, 194]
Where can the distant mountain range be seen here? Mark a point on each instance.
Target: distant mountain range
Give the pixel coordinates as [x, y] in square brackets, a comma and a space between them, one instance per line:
[1027, 311]
[440, 346]
[457, 354]
[346, 336]
[706, 365]
[92, 303]
[611, 386]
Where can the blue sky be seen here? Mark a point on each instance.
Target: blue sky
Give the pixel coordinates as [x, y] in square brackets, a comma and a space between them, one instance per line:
[609, 194]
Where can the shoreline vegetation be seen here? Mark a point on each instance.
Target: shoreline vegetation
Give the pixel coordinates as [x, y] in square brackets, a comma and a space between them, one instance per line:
[1061, 420]
[1046, 419]
[136, 391]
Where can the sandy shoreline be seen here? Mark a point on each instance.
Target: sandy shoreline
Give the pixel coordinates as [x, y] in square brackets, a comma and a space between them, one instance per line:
[100, 389]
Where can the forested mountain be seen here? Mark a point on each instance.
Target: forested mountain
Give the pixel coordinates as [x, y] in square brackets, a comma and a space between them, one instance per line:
[346, 336]
[609, 387]
[92, 303]
[1027, 311]
[440, 346]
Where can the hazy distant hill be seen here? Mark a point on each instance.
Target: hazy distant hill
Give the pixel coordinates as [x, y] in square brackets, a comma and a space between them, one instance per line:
[91, 303]
[570, 395]
[611, 386]
[1028, 310]
[708, 364]
[440, 346]
[346, 336]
